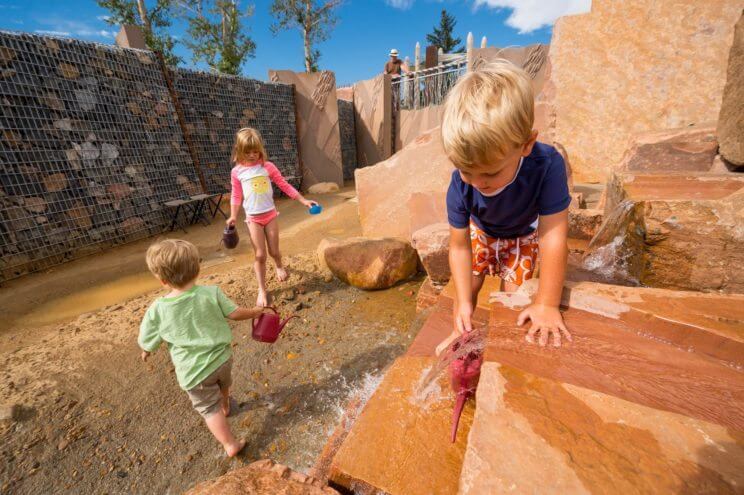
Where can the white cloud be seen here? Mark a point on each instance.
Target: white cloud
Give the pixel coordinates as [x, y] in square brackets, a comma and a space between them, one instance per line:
[528, 15]
[76, 29]
[52, 33]
[103, 17]
[400, 4]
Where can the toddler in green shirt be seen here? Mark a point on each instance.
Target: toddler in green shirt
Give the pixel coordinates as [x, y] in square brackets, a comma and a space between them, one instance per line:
[190, 319]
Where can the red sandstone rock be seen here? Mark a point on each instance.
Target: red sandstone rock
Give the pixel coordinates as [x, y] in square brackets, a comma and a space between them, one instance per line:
[671, 74]
[731, 118]
[55, 182]
[119, 191]
[584, 223]
[673, 231]
[689, 149]
[427, 295]
[323, 188]
[432, 245]
[384, 189]
[369, 263]
[262, 477]
[400, 443]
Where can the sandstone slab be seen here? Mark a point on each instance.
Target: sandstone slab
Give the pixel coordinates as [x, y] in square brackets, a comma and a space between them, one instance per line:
[667, 365]
[264, 476]
[531, 434]
[631, 67]
[690, 149]
[731, 118]
[323, 188]
[432, 245]
[373, 120]
[317, 125]
[384, 190]
[426, 208]
[400, 443]
[673, 231]
[369, 263]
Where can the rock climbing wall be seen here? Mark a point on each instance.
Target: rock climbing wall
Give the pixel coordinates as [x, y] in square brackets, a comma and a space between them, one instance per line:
[215, 107]
[348, 137]
[90, 148]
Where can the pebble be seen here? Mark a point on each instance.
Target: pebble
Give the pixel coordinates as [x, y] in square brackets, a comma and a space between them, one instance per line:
[327, 277]
[9, 411]
[63, 444]
[299, 306]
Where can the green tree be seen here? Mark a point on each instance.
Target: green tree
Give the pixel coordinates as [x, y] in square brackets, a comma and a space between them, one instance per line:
[442, 35]
[154, 23]
[215, 35]
[314, 22]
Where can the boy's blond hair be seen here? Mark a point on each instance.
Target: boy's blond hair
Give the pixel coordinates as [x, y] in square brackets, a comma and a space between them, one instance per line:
[248, 139]
[173, 261]
[487, 114]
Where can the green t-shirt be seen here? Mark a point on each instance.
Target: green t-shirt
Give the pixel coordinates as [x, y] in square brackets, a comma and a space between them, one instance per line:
[194, 327]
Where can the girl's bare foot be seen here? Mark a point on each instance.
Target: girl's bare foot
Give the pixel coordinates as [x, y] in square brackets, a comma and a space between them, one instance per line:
[234, 449]
[262, 300]
[281, 274]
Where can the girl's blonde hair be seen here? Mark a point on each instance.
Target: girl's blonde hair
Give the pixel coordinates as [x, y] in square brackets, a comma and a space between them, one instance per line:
[248, 139]
[487, 114]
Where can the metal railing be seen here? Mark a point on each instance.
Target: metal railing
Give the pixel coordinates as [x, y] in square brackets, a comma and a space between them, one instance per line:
[426, 87]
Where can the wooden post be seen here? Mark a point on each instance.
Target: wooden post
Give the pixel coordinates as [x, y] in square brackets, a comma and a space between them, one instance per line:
[417, 62]
[469, 52]
[417, 57]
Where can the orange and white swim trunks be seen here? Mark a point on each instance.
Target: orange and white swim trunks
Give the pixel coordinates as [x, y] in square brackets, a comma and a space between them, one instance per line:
[512, 260]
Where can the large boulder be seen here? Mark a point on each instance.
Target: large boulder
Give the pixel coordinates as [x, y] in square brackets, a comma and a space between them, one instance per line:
[635, 66]
[731, 118]
[432, 245]
[369, 263]
[384, 190]
[323, 188]
[260, 477]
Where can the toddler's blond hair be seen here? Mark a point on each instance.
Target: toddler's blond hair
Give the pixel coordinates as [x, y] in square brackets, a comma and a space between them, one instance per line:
[487, 114]
[248, 139]
[174, 261]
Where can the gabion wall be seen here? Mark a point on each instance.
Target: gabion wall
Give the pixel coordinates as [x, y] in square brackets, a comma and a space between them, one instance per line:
[348, 138]
[91, 146]
[215, 107]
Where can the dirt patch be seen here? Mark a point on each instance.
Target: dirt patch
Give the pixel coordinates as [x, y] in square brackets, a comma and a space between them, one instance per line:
[95, 419]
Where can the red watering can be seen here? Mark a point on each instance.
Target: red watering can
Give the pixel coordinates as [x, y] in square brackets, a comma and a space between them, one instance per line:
[267, 327]
[464, 376]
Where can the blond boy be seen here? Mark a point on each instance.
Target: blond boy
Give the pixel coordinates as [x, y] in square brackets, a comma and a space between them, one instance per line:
[507, 200]
[190, 319]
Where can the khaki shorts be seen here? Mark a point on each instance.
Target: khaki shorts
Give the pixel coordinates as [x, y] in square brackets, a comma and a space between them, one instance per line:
[206, 397]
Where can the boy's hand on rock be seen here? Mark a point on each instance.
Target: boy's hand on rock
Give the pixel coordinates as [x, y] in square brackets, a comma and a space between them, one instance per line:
[144, 356]
[548, 321]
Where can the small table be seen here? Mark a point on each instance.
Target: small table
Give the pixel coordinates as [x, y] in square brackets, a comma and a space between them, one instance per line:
[187, 206]
[212, 203]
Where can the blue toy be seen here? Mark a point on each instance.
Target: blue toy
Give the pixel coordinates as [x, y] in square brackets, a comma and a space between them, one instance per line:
[315, 209]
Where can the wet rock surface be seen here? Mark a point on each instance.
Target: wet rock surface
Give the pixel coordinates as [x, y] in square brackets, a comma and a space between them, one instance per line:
[432, 245]
[674, 231]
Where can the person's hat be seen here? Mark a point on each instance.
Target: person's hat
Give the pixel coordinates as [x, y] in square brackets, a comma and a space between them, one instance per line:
[393, 52]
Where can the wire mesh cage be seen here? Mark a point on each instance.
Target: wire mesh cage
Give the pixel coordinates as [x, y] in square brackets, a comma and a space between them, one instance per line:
[216, 106]
[348, 137]
[90, 148]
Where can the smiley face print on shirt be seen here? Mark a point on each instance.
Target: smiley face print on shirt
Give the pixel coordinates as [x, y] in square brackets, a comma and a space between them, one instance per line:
[260, 184]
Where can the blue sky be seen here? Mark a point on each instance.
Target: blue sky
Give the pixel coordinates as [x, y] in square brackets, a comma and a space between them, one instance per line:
[358, 46]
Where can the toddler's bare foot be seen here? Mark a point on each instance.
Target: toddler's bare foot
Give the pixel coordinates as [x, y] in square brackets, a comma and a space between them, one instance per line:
[281, 274]
[262, 300]
[234, 449]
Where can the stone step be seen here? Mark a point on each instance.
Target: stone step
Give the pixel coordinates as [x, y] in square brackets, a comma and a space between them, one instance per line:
[400, 443]
[638, 357]
[531, 434]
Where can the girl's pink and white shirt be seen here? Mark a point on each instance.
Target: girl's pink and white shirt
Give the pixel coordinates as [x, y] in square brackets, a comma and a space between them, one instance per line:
[251, 187]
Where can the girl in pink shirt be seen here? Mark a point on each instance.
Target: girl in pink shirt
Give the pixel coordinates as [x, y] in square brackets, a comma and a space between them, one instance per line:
[251, 187]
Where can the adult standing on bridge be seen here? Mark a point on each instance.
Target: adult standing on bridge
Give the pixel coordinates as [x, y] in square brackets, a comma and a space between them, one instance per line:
[395, 66]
